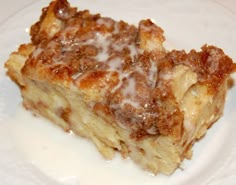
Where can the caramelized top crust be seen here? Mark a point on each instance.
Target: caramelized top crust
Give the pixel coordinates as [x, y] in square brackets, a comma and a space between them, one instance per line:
[123, 71]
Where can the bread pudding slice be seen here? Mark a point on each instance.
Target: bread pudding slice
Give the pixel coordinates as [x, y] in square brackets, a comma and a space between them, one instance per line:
[116, 84]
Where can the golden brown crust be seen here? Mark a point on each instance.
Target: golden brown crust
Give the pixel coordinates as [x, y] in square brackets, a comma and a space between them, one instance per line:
[211, 64]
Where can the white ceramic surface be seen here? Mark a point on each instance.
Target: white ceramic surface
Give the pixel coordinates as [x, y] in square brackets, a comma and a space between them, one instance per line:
[33, 151]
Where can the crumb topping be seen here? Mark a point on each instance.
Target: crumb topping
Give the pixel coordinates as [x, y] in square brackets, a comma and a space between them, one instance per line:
[126, 75]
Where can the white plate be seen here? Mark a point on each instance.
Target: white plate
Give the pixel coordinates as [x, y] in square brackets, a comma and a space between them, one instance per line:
[33, 151]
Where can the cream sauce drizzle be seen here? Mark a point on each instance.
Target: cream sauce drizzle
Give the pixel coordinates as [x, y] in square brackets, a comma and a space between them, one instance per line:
[114, 50]
[152, 76]
[130, 89]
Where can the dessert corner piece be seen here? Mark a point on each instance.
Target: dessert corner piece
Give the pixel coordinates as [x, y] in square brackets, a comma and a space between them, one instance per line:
[117, 85]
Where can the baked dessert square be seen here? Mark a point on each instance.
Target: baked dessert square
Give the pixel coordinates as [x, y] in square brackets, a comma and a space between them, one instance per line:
[115, 84]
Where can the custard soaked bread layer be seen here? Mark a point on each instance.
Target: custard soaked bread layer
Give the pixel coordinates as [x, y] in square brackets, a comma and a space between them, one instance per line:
[115, 84]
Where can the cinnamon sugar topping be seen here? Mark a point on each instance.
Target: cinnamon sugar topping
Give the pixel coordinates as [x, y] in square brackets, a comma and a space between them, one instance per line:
[108, 57]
